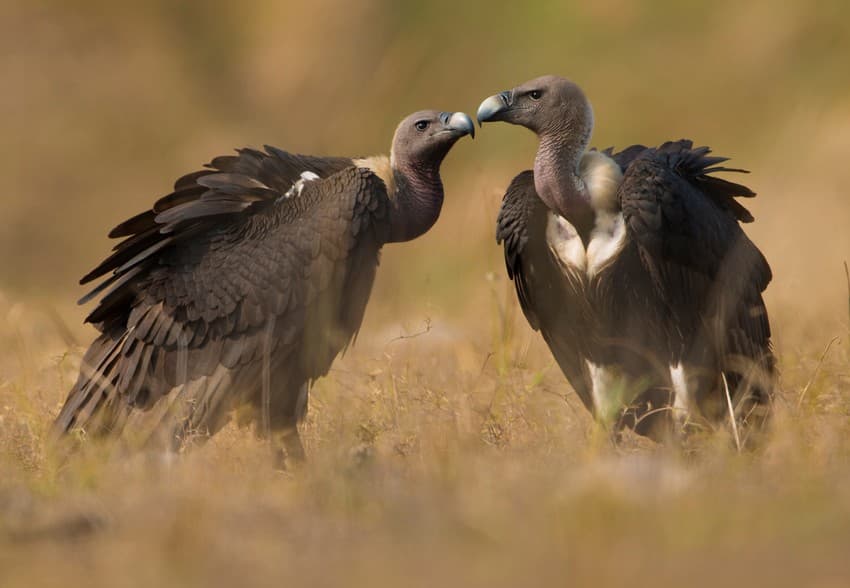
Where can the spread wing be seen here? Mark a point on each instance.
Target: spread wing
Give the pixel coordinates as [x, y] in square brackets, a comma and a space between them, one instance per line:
[235, 265]
[550, 297]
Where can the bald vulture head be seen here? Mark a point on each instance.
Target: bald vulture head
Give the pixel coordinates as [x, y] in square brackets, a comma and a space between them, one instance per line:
[549, 106]
[568, 181]
[412, 171]
[428, 135]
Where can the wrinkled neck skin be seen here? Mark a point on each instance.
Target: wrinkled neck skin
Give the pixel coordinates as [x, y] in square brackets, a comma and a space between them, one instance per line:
[417, 201]
[557, 179]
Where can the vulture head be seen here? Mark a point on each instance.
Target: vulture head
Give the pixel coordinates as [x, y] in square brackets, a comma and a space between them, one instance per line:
[412, 171]
[548, 106]
[428, 135]
[558, 112]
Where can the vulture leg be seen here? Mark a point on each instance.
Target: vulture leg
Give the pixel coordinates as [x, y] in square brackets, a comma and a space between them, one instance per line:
[649, 414]
[188, 414]
[751, 401]
[694, 382]
[624, 401]
[287, 448]
[682, 399]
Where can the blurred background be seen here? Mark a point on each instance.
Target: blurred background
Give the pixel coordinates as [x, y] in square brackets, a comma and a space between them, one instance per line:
[106, 103]
[460, 457]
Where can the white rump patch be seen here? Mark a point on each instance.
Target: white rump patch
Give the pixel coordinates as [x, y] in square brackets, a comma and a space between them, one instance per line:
[381, 166]
[298, 186]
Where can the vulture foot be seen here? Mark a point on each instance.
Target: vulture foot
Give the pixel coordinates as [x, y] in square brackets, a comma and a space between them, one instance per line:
[287, 450]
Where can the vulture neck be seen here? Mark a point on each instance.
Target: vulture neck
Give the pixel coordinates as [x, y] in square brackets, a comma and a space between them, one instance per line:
[559, 182]
[415, 191]
[417, 199]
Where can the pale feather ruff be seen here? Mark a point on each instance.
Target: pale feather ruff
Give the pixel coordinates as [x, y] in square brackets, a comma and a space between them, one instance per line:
[602, 177]
[381, 166]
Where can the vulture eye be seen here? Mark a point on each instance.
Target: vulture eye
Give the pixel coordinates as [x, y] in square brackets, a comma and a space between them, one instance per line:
[535, 94]
[421, 125]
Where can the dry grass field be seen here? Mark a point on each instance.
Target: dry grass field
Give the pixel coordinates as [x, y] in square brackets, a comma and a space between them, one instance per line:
[445, 449]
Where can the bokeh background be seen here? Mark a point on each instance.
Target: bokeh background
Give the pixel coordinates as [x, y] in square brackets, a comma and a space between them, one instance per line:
[105, 103]
[484, 469]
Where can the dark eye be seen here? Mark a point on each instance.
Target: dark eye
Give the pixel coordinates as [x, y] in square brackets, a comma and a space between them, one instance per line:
[421, 125]
[535, 94]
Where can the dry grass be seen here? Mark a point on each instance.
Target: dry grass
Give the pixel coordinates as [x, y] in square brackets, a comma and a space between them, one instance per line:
[458, 456]
[451, 457]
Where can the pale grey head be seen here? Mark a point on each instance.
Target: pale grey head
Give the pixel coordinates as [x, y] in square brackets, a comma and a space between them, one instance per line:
[545, 105]
[421, 142]
[428, 135]
[559, 113]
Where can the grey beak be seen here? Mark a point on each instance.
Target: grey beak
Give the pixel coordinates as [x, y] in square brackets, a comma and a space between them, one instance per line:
[493, 106]
[460, 123]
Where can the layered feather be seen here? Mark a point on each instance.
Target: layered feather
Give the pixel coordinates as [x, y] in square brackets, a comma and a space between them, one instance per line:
[189, 293]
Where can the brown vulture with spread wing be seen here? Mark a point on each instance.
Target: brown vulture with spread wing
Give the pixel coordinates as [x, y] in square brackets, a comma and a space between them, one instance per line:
[241, 286]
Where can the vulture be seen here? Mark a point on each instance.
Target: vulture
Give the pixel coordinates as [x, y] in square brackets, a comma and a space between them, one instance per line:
[635, 269]
[238, 289]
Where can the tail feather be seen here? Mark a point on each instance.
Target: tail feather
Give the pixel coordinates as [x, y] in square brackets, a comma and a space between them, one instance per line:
[193, 410]
[95, 383]
[99, 403]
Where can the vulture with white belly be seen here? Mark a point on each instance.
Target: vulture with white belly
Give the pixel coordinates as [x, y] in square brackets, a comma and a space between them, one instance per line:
[240, 287]
[635, 269]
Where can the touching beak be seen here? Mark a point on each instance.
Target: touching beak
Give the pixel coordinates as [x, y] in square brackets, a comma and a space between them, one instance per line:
[493, 107]
[458, 123]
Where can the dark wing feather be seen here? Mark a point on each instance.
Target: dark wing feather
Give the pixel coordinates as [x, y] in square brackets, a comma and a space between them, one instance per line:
[179, 313]
[552, 300]
[626, 156]
[685, 223]
[233, 184]
[518, 207]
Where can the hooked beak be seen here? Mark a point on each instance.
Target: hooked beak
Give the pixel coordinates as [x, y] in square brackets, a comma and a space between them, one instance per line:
[457, 123]
[494, 107]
